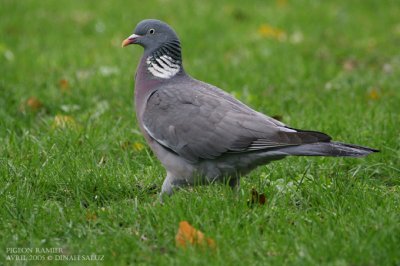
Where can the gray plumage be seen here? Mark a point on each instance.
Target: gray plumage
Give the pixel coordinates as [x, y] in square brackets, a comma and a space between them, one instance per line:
[200, 133]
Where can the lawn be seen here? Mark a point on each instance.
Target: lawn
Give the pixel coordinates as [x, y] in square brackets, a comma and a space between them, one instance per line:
[76, 174]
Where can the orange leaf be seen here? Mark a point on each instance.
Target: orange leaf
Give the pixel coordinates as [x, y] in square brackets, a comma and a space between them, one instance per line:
[64, 85]
[188, 235]
[32, 104]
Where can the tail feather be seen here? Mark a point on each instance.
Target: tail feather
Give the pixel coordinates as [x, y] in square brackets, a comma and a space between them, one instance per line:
[335, 149]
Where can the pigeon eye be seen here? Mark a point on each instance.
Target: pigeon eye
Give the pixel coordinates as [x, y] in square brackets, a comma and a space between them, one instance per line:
[151, 31]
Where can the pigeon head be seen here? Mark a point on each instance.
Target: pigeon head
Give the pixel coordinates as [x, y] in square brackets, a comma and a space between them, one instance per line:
[161, 45]
[151, 34]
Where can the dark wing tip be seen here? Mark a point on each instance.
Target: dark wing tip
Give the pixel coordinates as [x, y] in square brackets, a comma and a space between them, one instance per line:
[310, 136]
[361, 148]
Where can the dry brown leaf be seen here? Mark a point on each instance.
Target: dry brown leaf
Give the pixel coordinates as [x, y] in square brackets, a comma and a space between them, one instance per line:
[91, 216]
[188, 235]
[373, 94]
[32, 104]
[64, 121]
[64, 85]
[256, 198]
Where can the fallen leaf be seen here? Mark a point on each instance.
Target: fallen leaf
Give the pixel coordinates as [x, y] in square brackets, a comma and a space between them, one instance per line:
[138, 146]
[91, 216]
[373, 94]
[267, 31]
[256, 198]
[188, 235]
[64, 85]
[127, 145]
[33, 104]
[64, 121]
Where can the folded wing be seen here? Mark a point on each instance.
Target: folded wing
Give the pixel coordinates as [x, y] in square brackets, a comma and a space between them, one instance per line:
[204, 124]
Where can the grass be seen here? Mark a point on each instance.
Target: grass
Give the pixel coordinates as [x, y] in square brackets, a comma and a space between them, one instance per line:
[76, 174]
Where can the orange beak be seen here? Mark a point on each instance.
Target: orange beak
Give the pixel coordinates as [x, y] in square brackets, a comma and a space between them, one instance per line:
[130, 40]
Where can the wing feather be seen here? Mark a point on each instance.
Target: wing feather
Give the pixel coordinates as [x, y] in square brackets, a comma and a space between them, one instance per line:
[205, 123]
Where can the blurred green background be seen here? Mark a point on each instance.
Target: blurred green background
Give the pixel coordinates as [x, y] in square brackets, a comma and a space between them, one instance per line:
[76, 173]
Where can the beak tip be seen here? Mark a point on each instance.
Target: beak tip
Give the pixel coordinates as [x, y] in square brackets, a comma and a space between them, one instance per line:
[125, 43]
[130, 40]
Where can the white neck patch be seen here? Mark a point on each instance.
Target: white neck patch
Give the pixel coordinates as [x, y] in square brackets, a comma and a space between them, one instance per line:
[166, 67]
